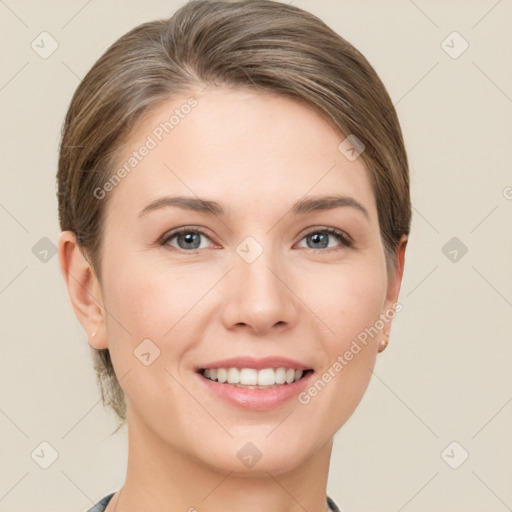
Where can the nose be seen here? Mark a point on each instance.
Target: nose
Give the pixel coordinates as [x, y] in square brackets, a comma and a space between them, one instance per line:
[260, 296]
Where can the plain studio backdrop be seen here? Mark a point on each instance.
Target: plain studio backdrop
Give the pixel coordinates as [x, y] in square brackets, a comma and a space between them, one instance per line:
[433, 431]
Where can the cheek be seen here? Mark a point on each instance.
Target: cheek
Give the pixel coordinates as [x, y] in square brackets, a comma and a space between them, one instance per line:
[147, 314]
[148, 301]
[349, 301]
[351, 309]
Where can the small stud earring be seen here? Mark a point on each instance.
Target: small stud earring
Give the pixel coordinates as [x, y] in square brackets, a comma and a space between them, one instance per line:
[384, 342]
[93, 334]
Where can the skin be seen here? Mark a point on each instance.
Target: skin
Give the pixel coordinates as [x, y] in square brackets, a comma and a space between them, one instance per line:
[256, 154]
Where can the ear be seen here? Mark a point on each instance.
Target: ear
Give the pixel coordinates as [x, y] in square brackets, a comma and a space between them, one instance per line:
[83, 288]
[395, 280]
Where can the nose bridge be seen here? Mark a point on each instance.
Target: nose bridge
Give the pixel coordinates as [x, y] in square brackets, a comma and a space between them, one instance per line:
[260, 297]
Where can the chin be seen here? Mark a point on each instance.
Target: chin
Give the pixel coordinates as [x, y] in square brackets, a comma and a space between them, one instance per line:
[254, 459]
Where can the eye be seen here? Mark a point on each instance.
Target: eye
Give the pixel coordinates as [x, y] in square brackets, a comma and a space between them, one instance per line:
[187, 239]
[320, 238]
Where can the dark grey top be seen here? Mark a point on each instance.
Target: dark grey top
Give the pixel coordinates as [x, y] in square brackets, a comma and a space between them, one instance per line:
[102, 504]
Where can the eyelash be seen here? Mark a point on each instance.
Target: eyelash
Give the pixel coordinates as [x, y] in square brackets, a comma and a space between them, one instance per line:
[342, 237]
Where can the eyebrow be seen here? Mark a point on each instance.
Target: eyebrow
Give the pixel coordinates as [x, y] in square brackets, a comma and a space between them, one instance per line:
[301, 207]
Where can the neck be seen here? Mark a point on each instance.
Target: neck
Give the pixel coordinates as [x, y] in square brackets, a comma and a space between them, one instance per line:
[161, 477]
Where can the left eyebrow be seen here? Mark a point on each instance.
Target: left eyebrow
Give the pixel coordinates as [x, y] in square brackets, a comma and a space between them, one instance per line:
[310, 204]
[301, 207]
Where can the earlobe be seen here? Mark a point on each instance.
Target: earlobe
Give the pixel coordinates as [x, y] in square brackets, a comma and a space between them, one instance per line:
[83, 288]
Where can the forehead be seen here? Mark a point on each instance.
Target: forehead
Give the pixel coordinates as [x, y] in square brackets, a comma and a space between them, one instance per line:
[241, 148]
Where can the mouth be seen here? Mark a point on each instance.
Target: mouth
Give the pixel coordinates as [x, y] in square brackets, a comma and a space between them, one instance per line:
[252, 378]
[254, 383]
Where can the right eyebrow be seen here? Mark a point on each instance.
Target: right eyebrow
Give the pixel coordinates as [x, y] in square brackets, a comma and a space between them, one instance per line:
[187, 203]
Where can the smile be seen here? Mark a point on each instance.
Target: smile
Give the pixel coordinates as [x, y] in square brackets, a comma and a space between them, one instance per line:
[241, 388]
[252, 378]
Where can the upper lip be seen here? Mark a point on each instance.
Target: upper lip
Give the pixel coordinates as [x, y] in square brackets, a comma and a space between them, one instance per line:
[255, 362]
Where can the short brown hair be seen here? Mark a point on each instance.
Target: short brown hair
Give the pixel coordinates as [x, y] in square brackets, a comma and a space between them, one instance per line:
[275, 48]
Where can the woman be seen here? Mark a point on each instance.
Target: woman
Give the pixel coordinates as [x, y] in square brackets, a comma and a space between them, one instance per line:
[234, 203]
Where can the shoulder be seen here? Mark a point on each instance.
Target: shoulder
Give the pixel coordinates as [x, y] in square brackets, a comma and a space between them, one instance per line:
[102, 504]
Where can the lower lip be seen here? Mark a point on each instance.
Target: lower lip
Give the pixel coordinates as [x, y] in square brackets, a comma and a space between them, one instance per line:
[257, 399]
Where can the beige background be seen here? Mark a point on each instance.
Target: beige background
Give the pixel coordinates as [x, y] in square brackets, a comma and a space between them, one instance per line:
[446, 374]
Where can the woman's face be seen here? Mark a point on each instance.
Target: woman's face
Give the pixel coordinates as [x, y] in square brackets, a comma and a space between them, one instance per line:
[258, 275]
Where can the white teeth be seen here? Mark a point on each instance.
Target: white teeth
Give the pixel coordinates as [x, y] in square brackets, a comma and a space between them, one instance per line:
[233, 376]
[248, 377]
[290, 375]
[222, 375]
[266, 377]
[280, 376]
[251, 377]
